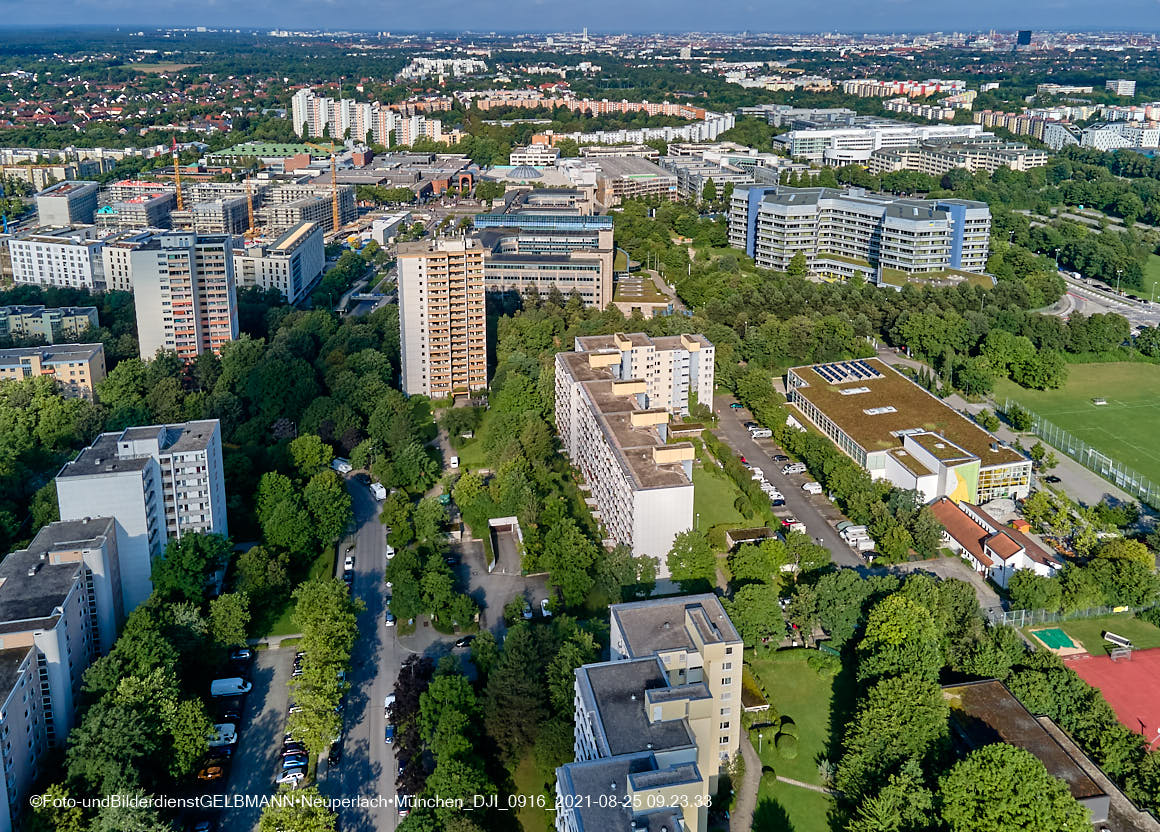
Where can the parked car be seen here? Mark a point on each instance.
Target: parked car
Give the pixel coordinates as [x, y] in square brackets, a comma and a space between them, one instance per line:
[233, 686]
[293, 747]
[812, 487]
[334, 756]
[761, 433]
[213, 771]
[390, 734]
[291, 776]
[403, 801]
[794, 468]
[464, 641]
[547, 613]
[349, 562]
[378, 491]
[348, 577]
[341, 465]
[290, 761]
[388, 701]
[1051, 479]
[389, 619]
[781, 458]
[454, 462]
[241, 654]
[750, 425]
[527, 611]
[736, 406]
[792, 524]
[362, 477]
[390, 549]
[221, 752]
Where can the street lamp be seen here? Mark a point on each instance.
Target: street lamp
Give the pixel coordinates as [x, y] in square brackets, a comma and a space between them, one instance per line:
[698, 520]
[1118, 273]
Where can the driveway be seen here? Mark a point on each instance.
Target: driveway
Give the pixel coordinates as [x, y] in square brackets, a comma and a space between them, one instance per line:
[256, 757]
[817, 513]
[945, 568]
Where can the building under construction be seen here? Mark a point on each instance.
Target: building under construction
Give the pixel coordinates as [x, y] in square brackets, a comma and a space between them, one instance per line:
[291, 263]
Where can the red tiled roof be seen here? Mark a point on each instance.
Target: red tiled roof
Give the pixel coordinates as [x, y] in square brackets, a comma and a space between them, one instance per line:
[1034, 551]
[965, 531]
[1003, 545]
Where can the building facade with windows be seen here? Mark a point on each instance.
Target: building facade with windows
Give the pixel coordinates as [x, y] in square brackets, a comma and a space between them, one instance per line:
[184, 292]
[612, 412]
[67, 203]
[76, 368]
[292, 263]
[901, 433]
[156, 482]
[48, 325]
[655, 725]
[68, 257]
[849, 231]
[60, 608]
[442, 317]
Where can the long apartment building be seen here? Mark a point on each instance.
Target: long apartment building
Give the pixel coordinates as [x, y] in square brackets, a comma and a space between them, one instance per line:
[655, 725]
[151, 210]
[937, 158]
[67, 203]
[76, 368]
[314, 115]
[613, 405]
[442, 317]
[48, 325]
[183, 287]
[292, 263]
[847, 232]
[60, 608]
[538, 244]
[157, 482]
[69, 256]
[287, 205]
[853, 144]
[901, 433]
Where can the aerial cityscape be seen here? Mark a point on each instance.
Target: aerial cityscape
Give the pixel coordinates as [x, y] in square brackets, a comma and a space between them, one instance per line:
[441, 422]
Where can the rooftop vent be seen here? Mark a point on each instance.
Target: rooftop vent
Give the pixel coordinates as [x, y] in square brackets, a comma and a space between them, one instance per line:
[666, 626]
[32, 570]
[851, 391]
[878, 411]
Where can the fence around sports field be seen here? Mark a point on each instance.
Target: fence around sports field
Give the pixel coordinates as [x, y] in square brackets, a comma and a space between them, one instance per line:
[1029, 618]
[1113, 471]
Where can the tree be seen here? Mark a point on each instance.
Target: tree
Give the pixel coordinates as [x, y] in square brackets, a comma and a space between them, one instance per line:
[484, 653]
[578, 650]
[515, 700]
[798, 265]
[184, 570]
[329, 504]
[755, 611]
[135, 813]
[904, 804]
[1123, 548]
[901, 637]
[457, 779]
[309, 455]
[1003, 788]
[691, 561]
[709, 191]
[1029, 591]
[229, 618]
[300, 810]
[759, 562]
[56, 811]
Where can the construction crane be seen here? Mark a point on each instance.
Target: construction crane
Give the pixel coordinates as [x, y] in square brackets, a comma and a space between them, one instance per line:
[334, 191]
[177, 175]
[251, 232]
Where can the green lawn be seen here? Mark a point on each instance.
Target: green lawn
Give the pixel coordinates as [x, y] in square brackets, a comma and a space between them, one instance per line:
[713, 497]
[528, 785]
[1090, 632]
[1151, 278]
[322, 567]
[785, 808]
[1123, 429]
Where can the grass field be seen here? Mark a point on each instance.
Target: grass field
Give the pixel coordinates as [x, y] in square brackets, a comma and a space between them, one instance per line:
[1123, 429]
[1151, 277]
[528, 785]
[785, 808]
[160, 67]
[1090, 632]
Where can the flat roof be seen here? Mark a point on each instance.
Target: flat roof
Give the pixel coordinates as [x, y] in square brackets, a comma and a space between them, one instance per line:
[607, 805]
[52, 353]
[913, 410]
[617, 691]
[291, 239]
[27, 598]
[986, 712]
[103, 456]
[658, 625]
[10, 661]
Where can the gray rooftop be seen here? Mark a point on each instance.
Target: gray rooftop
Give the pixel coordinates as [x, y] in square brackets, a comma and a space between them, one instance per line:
[9, 668]
[658, 625]
[616, 692]
[52, 353]
[605, 784]
[104, 456]
[26, 598]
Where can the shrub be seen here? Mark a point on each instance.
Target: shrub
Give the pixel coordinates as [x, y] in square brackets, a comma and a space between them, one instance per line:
[787, 746]
[788, 727]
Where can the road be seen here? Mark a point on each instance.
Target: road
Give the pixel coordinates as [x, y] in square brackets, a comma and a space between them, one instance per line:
[812, 511]
[1089, 300]
[367, 767]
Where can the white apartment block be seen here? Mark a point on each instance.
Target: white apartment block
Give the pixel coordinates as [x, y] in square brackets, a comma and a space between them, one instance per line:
[60, 608]
[849, 231]
[67, 203]
[442, 317]
[116, 259]
[292, 263]
[1121, 86]
[936, 159]
[847, 145]
[615, 432]
[313, 115]
[184, 292]
[68, 257]
[675, 367]
[156, 482]
[655, 725]
[535, 155]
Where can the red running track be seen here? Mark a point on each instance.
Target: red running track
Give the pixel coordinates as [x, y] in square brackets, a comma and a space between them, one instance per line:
[1130, 686]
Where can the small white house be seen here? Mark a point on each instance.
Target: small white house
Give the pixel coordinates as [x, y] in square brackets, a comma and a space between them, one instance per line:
[992, 549]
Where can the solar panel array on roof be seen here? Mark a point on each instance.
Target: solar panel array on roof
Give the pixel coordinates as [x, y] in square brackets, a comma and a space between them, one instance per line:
[841, 372]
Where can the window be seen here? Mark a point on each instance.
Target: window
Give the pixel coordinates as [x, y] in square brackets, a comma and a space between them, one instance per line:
[728, 651]
[724, 741]
[727, 680]
[726, 665]
[726, 711]
[725, 725]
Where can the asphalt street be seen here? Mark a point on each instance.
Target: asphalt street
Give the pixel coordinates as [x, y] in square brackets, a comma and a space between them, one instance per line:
[810, 510]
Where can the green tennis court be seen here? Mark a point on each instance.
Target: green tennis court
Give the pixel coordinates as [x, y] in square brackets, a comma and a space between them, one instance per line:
[1054, 638]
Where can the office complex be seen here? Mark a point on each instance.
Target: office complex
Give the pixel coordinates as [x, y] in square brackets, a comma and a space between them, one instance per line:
[545, 239]
[48, 325]
[443, 333]
[852, 143]
[850, 232]
[623, 177]
[899, 432]
[68, 257]
[183, 287]
[1121, 86]
[156, 482]
[655, 725]
[535, 155]
[614, 397]
[76, 368]
[67, 203]
[292, 263]
[938, 157]
[60, 608]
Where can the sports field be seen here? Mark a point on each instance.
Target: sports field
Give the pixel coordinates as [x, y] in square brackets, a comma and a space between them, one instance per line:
[1124, 429]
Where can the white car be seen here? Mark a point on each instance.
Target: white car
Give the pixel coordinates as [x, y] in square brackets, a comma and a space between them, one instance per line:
[348, 563]
[544, 608]
[387, 703]
[378, 491]
[390, 551]
[341, 465]
[291, 776]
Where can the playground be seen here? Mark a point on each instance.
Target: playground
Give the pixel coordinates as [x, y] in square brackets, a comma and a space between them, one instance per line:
[1129, 683]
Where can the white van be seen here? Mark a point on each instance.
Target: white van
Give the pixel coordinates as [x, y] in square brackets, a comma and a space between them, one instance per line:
[761, 433]
[812, 487]
[851, 533]
[341, 465]
[378, 491]
[234, 686]
[454, 462]
[224, 733]
[794, 468]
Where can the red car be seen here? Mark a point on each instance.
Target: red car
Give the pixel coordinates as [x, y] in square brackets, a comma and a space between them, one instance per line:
[744, 461]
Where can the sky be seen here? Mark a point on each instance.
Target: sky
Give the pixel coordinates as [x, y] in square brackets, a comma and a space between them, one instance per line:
[597, 15]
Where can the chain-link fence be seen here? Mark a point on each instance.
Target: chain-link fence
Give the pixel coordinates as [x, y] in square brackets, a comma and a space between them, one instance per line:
[1030, 618]
[1113, 471]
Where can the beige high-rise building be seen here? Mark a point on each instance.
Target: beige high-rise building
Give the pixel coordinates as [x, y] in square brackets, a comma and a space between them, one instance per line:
[183, 286]
[443, 331]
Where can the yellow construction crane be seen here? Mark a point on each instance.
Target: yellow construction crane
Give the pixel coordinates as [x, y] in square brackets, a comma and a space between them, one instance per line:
[177, 175]
[334, 191]
[251, 232]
